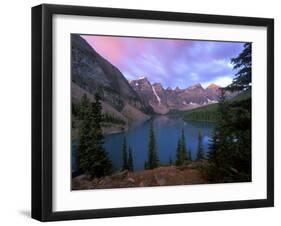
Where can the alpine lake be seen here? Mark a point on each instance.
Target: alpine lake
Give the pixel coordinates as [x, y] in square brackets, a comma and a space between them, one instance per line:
[167, 131]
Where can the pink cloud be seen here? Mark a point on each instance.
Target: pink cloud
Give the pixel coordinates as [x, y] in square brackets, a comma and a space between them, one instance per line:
[115, 49]
[169, 61]
[109, 47]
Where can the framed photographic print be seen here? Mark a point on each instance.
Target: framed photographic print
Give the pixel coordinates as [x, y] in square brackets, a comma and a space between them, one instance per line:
[146, 112]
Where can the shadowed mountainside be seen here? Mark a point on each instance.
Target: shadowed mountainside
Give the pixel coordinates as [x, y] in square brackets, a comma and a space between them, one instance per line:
[91, 74]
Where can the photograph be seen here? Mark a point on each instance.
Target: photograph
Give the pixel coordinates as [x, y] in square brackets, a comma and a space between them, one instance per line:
[145, 112]
[149, 111]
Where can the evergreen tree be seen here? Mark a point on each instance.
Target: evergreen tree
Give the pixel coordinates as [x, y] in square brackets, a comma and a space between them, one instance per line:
[84, 107]
[152, 161]
[93, 158]
[74, 109]
[181, 153]
[84, 135]
[230, 148]
[200, 150]
[100, 162]
[130, 160]
[189, 156]
[213, 148]
[219, 154]
[110, 118]
[179, 159]
[124, 155]
[146, 165]
[229, 154]
[243, 64]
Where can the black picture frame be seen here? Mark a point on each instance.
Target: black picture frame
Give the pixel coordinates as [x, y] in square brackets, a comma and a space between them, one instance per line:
[42, 111]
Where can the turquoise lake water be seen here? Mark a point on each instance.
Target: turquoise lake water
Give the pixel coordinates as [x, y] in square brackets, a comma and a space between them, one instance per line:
[167, 131]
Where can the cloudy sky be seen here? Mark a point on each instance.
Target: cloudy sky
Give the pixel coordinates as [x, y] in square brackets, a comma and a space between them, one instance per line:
[172, 62]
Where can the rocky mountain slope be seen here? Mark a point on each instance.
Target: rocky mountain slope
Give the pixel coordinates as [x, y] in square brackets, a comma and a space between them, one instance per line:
[163, 100]
[152, 95]
[133, 100]
[91, 73]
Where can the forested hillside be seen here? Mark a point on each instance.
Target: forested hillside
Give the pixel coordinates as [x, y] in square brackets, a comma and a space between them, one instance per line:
[209, 112]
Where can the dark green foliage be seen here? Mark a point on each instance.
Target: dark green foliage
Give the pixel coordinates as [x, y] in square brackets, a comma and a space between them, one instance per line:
[152, 161]
[183, 144]
[74, 109]
[209, 112]
[181, 153]
[74, 113]
[212, 155]
[84, 134]
[92, 158]
[127, 157]
[243, 64]
[84, 107]
[110, 118]
[244, 95]
[179, 159]
[124, 155]
[230, 148]
[206, 113]
[78, 110]
[200, 150]
[130, 160]
[189, 157]
[146, 165]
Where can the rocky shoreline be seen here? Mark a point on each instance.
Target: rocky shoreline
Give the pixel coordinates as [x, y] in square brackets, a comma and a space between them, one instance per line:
[161, 176]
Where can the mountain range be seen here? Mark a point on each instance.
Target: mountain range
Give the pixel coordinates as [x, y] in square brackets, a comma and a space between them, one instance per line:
[163, 100]
[129, 100]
